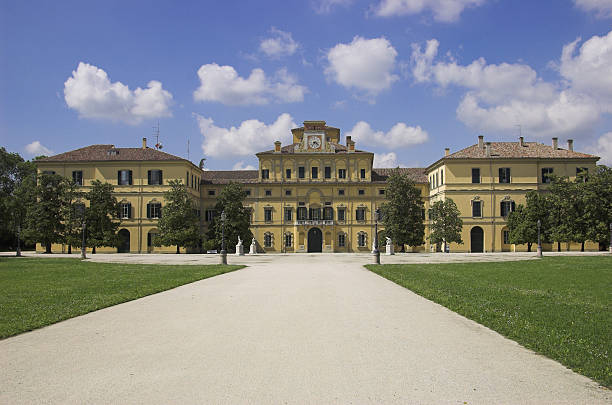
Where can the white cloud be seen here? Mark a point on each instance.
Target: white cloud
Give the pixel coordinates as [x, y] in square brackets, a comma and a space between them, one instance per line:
[442, 10]
[501, 96]
[90, 92]
[399, 136]
[603, 149]
[249, 137]
[327, 6]
[222, 84]
[37, 149]
[603, 8]
[280, 44]
[386, 160]
[241, 166]
[365, 65]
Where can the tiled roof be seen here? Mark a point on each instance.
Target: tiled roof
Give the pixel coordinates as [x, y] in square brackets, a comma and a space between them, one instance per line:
[515, 150]
[416, 174]
[110, 153]
[291, 149]
[227, 176]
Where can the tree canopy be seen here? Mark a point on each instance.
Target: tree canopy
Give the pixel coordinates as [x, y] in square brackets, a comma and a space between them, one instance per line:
[237, 221]
[523, 222]
[446, 223]
[101, 216]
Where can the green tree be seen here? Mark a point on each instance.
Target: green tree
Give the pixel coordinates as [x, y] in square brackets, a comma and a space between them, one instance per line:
[568, 216]
[402, 213]
[17, 203]
[598, 204]
[446, 224]
[101, 216]
[179, 224]
[44, 214]
[523, 222]
[71, 215]
[237, 221]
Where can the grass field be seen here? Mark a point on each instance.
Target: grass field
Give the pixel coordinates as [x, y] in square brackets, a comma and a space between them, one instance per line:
[560, 307]
[38, 292]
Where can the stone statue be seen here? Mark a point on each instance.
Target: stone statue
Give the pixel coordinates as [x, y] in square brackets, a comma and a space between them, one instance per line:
[388, 240]
[239, 241]
[239, 248]
[390, 249]
[253, 248]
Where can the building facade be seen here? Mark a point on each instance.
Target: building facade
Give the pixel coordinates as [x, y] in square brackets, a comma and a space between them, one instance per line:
[319, 194]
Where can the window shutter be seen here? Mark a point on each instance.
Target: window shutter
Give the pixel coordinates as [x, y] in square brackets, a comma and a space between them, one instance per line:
[130, 178]
[149, 207]
[501, 174]
[149, 176]
[130, 210]
[118, 176]
[161, 181]
[501, 208]
[512, 205]
[160, 212]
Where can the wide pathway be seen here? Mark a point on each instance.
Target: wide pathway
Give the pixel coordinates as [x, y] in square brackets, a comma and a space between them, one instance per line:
[287, 329]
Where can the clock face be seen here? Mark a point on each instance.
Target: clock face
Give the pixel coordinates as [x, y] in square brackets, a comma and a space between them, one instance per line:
[314, 142]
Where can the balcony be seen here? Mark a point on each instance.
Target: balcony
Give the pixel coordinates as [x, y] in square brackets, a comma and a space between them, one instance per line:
[314, 222]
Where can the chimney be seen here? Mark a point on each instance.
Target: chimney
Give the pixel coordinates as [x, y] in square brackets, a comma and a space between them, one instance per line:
[481, 141]
[570, 145]
[555, 143]
[488, 149]
[521, 141]
[348, 140]
[277, 147]
[446, 151]
[144, 143]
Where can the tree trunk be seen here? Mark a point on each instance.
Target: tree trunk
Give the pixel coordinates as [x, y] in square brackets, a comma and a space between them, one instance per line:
[48, 247]
[69, 249]
[558, 246]
[529, 246]
[178, 249]
[93, 250]
[582, 247]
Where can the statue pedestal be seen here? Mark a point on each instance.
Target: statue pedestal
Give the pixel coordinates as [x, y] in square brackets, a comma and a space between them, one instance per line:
[390, 250]
[252, 249]
[239, 250]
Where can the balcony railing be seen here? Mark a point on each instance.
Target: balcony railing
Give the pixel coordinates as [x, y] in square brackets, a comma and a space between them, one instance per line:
[314, 222]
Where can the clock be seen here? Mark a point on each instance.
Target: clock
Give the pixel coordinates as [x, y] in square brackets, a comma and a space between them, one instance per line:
[314, 142]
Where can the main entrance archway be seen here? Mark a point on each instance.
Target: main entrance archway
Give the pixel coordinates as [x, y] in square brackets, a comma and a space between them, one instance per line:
[315, 240]
[476, 240]
[124, 241]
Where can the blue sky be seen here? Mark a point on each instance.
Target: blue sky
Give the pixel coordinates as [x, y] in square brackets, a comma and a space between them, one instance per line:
[405, 78]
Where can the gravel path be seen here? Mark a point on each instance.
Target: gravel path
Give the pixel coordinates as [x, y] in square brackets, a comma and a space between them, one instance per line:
[314, 329]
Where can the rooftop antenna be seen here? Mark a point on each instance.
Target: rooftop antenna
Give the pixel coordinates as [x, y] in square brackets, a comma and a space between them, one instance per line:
[158, 145]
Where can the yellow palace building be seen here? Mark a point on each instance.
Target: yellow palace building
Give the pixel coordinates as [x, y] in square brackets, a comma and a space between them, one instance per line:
[319, 194]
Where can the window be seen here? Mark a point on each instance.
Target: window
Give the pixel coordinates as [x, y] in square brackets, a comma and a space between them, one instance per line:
[506, 237]
[211, 192]
[187, 178]
[288, 239]
[192, 181]
[125, 210]
[546, 173]
[475, 175]
[314, 213]
[268, 214]
[301, 172]
[436, 179]
[341, 214]
[341, 240]
[265, 173]
[315, 172]
[506, 207]
[209, 215]
[360, 214]
[268, 240]
[124, 177]
[328, 213]
[341, 192]
[288, 214]
[423, 214]
[268, 193]
[476, 209]
[362, 173]
[362, 239]
[151, 238]
[155, 177]
[361, 192]
[77, 177]
[327, 172]
[287, 192]
[154, 210]
[48, 172]
[301, 214]
[504, 175]
[381, 191]
[288, 173]
[582, 172]
[342, 173]
[441, 176]
[248, 192]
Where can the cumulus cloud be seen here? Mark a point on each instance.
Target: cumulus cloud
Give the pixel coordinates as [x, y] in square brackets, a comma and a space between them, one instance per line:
[602, 8]
[280, 44]
[365, 65]
[241, 166]
[501, 96]
[249, 137]
[37, 149]
[442, 10]
[386, 160]
[327, 6]
[399, 136]
[90, 92]
[224, 85]
[603, 149]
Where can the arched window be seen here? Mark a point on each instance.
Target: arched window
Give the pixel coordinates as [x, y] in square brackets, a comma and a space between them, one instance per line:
[268, 239]
[362, 239]
[341, 239]
[288, 239]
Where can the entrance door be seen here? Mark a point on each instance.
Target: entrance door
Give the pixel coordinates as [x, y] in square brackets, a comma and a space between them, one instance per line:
[124, 241]
[476, 240]
[315, 240]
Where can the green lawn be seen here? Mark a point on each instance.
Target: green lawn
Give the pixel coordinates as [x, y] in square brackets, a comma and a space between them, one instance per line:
[558, 306]
[39, 292]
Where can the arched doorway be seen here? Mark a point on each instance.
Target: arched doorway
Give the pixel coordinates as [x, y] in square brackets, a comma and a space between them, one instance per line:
[476, 240]
[315, 240]
[124, 241]
[150, 237]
